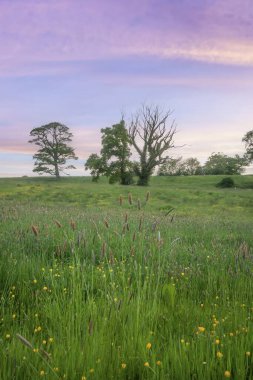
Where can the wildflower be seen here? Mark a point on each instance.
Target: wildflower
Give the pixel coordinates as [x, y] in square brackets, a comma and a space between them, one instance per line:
[219, 354]
[35, 350]
[83, 378]
[182, 341]
[146, 364]
[45, 288]
[123, 365]
[158, 362]
[148, 346]
[217, 341]
[227, 374]
[201, 329]
[42, 373]
[35, 281]
[7, 336]
[56, 369]
[247, 353]
[92, 370]
[44, 342]
[51, 340]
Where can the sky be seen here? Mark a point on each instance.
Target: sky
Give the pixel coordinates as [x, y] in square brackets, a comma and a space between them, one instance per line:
[85, 62]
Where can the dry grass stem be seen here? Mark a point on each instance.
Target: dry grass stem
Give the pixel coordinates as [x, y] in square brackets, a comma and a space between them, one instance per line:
[24, 341]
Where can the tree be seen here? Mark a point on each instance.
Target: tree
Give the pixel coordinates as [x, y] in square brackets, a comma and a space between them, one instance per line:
[171, 167]
[248, 139]
[114, 160]
[96, 165]
[151, 139]
[192, 166]
[219, 163]
[116, 152]
[52, 139]
[178, 166]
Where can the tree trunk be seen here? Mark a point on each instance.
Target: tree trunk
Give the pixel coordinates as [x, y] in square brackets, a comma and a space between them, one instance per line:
[57, 174]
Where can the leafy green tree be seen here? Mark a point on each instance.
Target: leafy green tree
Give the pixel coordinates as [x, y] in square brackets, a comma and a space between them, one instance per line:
[114, 160]
[96, 165]
[171, 167]
[53, 141]
[116, 152]
[248, 139]
[151, 139]
[219, 163]
[191, 166]
[178, 166]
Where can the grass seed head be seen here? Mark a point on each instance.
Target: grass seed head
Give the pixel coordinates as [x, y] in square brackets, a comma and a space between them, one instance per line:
[35, 230]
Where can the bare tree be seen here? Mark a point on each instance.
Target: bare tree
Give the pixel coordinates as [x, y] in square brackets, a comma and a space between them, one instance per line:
[151, 139]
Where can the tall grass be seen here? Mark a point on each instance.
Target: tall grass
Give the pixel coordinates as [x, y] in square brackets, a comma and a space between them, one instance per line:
[124, 293]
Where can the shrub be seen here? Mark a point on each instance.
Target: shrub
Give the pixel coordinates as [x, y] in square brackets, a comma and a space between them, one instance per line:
[226, 182]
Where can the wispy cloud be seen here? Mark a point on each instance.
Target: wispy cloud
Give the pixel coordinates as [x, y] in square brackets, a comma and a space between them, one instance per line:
[218, 31]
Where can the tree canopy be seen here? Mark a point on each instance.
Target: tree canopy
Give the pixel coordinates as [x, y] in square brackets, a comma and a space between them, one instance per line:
[54, 150]
[178, 166]
[114, 160]
[219, 163]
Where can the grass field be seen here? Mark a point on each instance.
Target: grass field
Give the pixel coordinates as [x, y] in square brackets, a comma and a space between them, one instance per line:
[99, 282]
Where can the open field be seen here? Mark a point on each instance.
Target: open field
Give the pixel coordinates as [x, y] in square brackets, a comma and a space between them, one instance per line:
[99, 285]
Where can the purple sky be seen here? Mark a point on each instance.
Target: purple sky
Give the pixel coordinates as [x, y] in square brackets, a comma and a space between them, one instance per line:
[84, 62]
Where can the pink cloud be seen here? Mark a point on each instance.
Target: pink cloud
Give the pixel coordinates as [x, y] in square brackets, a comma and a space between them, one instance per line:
[215, 31]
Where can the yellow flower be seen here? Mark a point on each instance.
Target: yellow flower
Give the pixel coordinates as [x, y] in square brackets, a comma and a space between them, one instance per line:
[7, 336]
[13, 316]
[217, 341]
[219, 354]
[45, 288]
[158, 362]
[201, 329]
[123, 365]
[247, 353]
[146, 364]
[83, 378]
[44, 342]
[35, 350]
[227, 374]
[35, 281]
[92, 370]
[42, 373]
[148, 346]
[51, 340]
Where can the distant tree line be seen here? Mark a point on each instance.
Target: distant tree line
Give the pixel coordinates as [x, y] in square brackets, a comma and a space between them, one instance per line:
[148, 135]
[217, 163]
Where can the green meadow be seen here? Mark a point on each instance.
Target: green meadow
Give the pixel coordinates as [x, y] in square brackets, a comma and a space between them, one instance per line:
[102, 281]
